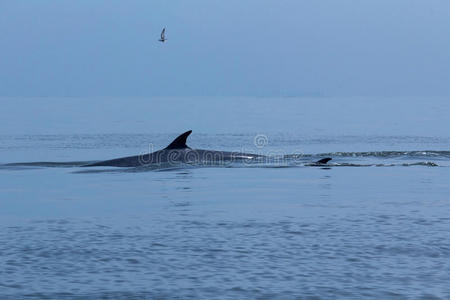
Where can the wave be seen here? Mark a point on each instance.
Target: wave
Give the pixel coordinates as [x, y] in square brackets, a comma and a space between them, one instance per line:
[161, 168]
[401, 159]
[420, 163]
[47, 164]
[392, 154]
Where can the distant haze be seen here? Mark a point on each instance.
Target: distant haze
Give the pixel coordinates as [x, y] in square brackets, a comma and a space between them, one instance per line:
[224, 48]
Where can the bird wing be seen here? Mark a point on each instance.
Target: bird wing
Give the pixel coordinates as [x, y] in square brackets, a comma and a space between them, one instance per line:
[163, 34]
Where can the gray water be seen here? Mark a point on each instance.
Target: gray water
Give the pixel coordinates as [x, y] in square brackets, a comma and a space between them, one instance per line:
[374, 223]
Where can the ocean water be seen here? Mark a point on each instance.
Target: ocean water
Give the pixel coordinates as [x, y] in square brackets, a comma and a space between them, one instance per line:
[373, 223]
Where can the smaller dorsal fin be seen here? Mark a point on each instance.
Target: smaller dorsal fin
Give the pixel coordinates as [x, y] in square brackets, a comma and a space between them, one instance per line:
[180, 141]
[323, 160]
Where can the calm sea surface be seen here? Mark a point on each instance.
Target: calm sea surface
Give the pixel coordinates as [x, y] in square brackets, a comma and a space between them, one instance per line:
[374, 223]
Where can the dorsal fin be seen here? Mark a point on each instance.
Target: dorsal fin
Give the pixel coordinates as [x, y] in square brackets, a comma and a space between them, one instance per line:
[180, 141]
[323, 160]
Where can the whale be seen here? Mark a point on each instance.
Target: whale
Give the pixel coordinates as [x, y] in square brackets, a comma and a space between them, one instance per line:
[176, 152]
[179, 152]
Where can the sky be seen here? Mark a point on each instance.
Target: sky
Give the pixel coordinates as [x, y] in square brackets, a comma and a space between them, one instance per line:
[225, 48]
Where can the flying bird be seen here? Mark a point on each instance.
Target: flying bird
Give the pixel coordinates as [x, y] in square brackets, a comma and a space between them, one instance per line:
[163, 36]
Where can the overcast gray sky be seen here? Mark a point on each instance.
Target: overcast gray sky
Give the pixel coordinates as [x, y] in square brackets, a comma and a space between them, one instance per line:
[221, 48]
